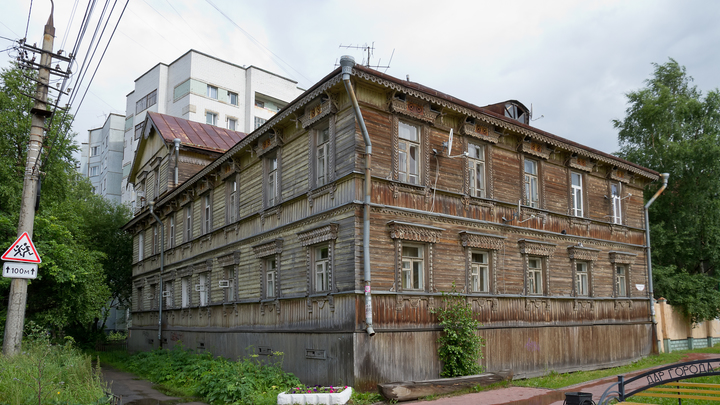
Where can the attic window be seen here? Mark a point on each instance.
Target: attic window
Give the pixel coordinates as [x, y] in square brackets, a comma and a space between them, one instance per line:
[515, 112]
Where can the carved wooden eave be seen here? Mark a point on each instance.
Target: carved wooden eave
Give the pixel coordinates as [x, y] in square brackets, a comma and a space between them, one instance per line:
[536, 149]
[536, 247]
[317, 112]
[504, 125]
[618, 175]
[229, 259]
[622, 257]
[273, 247]
[268, 144]
[318, 235]
[414, 108]
[581, 163]
[481, 132]
[482, 240]
[228, 169]
[414, 232]
[582, 253]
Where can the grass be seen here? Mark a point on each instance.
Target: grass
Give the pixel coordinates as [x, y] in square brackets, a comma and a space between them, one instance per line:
[181, 372]
[50, 374]
[558, 380]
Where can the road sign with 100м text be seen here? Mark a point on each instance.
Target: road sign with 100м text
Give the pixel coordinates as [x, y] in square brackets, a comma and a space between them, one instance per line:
[20, 270]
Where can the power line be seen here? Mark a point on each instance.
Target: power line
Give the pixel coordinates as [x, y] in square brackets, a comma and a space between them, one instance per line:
[69, 24]
[10, 29]
[9, 39]
[28, 21]
[258, 43]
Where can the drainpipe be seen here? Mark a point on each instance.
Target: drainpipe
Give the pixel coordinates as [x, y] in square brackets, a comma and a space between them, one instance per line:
[162, 266]
[347, 62]
[176, 141]
[665, 177]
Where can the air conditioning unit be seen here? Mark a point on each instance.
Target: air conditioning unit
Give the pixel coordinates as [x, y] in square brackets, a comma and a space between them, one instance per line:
[224, 283]
[199, 287]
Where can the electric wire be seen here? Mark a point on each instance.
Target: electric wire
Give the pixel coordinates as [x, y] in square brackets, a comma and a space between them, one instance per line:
[16, 34]
[28, 20]
[9, 39]
[69, 24]
[258, 43]
[78, 85]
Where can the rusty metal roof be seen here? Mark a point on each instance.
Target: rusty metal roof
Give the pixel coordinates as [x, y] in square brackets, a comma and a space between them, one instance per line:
[195, 134]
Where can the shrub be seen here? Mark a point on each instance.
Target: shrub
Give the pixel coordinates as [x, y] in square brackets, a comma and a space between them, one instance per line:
[49, 374]
[460, 346]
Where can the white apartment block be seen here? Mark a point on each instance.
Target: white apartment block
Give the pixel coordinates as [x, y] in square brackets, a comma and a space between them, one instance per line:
[101, 157]
[202, 88]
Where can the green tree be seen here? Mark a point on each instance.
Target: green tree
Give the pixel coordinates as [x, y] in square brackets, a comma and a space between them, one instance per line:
[671, 127]
[86, 258]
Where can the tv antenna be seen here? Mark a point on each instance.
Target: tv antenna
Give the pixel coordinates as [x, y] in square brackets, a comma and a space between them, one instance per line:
[369, 50]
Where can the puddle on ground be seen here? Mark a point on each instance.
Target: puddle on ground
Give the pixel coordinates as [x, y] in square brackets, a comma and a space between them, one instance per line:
[544, 399]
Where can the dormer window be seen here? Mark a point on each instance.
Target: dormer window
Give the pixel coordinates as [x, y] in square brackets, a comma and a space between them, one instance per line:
[516, 112]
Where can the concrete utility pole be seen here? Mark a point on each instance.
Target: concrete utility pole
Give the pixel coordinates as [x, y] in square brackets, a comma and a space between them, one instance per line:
[18, 288]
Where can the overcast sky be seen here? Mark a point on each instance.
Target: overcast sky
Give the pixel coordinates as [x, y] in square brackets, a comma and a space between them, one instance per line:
[573, 61]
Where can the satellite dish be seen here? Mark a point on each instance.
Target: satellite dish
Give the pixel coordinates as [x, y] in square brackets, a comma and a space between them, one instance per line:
[450, 139]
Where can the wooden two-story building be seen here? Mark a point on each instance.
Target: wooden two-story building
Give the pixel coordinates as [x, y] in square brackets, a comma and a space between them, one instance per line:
[265, 244]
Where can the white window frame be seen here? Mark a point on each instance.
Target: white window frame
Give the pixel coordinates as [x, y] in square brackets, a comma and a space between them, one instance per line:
[230, 293]
[409, 170]
[204, 288]
[212, 92]
[535, 276]
[185, 293]
[532, 183]
[231, 206]
[271, 183]
[321, 268]
[479, 271]
[207, 214]
[412, 272]
[94, 151]
[232, 95]
[141, 245]
[476, 170]
[93, 171]
[232, 124]
[187, 230]
[322, 153]
[211, 118]
[576, 194]
[582, 279]
[616, 201]
[171, 233]
[259, 122]
[270, 277]
[621, 280]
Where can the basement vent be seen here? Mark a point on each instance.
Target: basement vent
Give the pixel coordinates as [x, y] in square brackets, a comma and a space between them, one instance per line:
[264, 351]
[318, 354]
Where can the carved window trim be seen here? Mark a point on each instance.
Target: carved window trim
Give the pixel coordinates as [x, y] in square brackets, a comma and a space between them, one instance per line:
[230, 263]
[481, 242]
[312, 239]
[414, 235]
[627, 260]
[313, 149]
[580, 254]
[265, 252]
[540, 182]
[423, 158]
[536, 249]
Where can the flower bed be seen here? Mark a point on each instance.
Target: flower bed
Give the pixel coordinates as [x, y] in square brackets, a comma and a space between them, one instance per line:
[315, 395]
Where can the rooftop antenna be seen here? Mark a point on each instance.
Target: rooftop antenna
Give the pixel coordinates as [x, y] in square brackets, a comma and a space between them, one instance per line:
[370, 51]
[531, 114]
[447, 146]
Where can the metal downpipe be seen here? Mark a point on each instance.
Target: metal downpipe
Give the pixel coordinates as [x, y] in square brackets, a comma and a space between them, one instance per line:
[665, 177]
[162, 265]
[347, 63]
[177, 141]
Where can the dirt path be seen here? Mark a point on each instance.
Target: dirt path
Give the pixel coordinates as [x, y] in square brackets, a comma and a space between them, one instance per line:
[135, 391]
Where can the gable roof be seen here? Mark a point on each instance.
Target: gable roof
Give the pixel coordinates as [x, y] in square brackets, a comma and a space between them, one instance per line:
[194, 134]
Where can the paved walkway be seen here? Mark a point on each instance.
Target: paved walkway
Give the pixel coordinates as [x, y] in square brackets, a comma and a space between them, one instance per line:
[540, 396]
[135, 391]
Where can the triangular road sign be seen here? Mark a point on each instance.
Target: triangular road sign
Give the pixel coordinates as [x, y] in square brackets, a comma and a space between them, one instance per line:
[22, 250]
